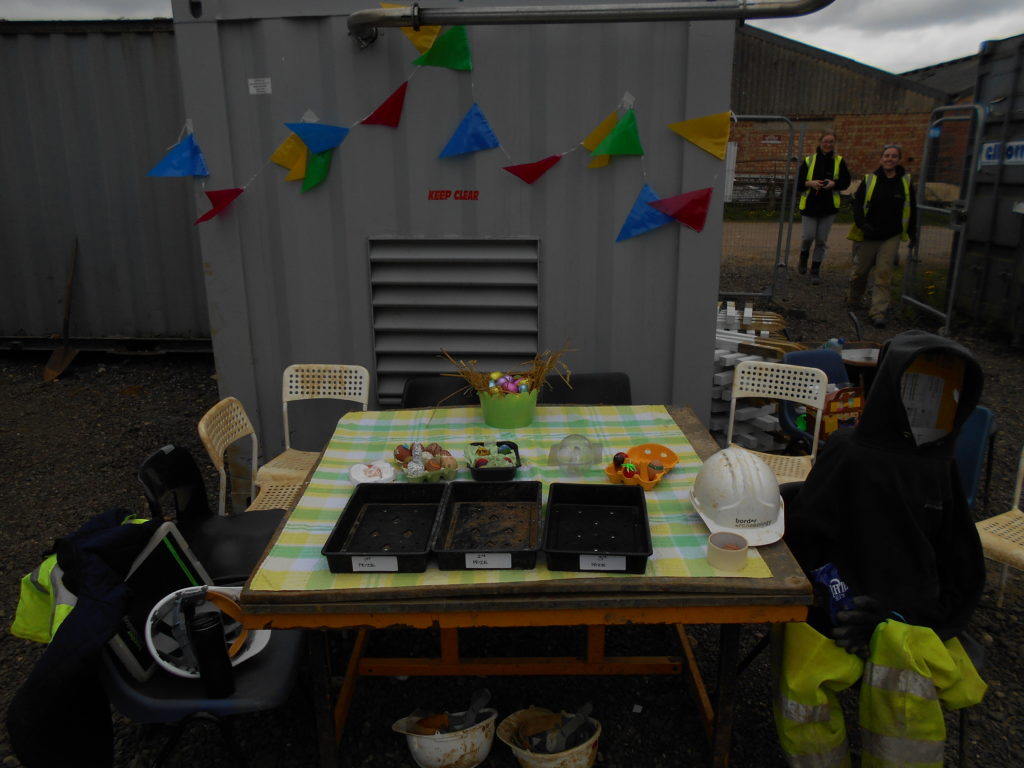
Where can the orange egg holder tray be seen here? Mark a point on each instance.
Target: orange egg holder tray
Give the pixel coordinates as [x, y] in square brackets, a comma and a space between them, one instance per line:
[642, 456]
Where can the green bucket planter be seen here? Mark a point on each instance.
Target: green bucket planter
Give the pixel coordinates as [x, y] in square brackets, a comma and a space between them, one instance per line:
[509, 411]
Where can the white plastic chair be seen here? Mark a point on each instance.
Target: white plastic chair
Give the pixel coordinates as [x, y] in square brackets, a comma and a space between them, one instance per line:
[222, 426]
[1002, 536]
[779, 381]
[311, 381]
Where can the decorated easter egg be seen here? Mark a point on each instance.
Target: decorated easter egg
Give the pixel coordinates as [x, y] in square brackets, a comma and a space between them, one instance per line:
[619, 459]
[502, 381]
[524, 387]
[434, 449]
[402, 454]
[510, 386]
[449, 462]
[629, 470]
[481, 462]
[432, 466]
[495, 375]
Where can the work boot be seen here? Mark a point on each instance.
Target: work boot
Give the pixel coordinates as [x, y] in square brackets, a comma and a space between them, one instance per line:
[815, 273]
[802, 269]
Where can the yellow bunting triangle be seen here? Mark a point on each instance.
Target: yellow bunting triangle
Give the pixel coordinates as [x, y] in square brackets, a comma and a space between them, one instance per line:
[423, 37]
[710, 133]
[292, 154]
[597, 136]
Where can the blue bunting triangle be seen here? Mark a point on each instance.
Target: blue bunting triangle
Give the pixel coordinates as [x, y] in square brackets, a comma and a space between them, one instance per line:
[183, 159]
[643, 218]
[473, 134]
[319, 137]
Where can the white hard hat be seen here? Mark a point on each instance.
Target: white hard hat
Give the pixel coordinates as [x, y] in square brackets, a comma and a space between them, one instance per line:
[167, 636]
[737, 492]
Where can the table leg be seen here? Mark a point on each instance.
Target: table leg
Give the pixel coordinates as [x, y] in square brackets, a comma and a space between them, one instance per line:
[725, 697]
[320, 683]
[348, 685]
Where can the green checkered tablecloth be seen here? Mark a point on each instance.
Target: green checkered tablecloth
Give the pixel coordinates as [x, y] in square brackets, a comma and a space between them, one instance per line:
[677, 532]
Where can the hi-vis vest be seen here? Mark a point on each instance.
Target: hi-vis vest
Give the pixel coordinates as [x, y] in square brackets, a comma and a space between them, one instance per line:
[810, 160]
[44, 603]
[871, 180]
[909, 677]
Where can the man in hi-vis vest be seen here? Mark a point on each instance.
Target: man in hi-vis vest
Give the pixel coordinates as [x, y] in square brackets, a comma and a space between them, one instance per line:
[820, 179]
[884, 213]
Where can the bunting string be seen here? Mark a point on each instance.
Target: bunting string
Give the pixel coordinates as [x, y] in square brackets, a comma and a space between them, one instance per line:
[308, 149]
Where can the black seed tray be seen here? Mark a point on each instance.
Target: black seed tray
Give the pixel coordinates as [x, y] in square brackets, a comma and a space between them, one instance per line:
[497, 473]
[385, 527]
[597, 527]
[499, 522]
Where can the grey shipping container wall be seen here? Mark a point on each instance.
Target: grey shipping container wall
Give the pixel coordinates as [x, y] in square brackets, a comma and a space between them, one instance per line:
[992, 287]
[88, 109]
[290, 274]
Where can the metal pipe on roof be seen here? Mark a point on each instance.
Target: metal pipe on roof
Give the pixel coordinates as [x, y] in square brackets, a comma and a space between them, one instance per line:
[363, 24]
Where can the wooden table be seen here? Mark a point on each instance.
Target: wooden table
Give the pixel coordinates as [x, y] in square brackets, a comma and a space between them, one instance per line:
[595, 602]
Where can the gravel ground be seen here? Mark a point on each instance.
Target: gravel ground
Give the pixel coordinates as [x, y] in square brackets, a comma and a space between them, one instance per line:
[70, 449]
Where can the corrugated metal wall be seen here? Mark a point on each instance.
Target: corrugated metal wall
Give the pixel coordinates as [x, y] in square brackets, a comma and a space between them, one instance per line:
[88, 109]
[992, 276]
[288, 273]
[776, 76]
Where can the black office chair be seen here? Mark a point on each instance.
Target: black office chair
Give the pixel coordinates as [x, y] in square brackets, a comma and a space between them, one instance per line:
[262, 682]
[228, 546]
[438, 390]
[587, 389]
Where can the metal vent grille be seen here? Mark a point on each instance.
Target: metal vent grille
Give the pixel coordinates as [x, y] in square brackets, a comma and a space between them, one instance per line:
[477, 299]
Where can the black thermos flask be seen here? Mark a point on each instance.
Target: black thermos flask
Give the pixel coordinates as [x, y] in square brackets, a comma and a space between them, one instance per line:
[206, 633]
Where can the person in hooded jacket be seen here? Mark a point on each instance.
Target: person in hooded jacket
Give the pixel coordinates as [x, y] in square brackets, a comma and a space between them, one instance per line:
[884, 213]
[883, 514]
[822, 176]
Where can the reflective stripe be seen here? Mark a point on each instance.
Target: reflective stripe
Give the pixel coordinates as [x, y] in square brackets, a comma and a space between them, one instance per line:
[840, 756]
[33, 579]
[899, 681]
[902, 751]
[801, 713]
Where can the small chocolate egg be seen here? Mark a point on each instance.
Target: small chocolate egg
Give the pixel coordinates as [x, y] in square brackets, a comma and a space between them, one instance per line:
[503, 381]
[495, 375]
[523, 387]
[510, 386]
[481, 463]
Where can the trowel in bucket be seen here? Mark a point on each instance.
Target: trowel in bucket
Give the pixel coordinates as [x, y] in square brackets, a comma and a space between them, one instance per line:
[62, 356]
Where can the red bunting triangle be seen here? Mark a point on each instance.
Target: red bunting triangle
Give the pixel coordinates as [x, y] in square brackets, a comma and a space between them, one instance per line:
[689, 208]
[530, 172]
[219, 199]
[389, 113]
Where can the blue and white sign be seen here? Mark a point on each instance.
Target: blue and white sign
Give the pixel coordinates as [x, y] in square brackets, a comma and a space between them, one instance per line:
[1013, 154]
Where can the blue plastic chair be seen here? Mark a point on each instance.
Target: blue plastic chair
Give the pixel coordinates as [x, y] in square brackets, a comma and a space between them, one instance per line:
[974, 444]
[827, 360]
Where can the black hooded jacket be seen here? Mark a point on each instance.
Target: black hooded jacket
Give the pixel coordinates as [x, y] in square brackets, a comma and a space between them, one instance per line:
[892, 515]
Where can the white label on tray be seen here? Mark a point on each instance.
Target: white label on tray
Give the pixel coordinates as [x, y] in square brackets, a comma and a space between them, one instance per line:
[375, 563]
[489, 560]
[602, 563]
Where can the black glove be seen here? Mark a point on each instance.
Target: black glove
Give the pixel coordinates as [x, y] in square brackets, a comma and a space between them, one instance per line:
[855, 627]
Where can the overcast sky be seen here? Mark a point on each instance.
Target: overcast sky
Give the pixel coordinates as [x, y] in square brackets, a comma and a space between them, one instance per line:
[894, 35]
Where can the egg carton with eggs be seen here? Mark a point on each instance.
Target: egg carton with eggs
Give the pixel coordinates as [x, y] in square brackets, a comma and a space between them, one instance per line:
[429, 463]
[644, 465]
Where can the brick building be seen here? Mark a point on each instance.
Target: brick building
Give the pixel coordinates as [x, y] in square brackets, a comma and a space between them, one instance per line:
[819, 91]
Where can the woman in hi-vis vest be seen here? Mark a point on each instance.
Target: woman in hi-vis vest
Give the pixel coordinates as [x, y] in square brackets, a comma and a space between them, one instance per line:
[821, 178]
[884, 213]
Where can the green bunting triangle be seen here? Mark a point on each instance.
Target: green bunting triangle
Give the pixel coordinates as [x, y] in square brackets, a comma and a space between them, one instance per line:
[623, 139]
[450, 50]
[317, 168]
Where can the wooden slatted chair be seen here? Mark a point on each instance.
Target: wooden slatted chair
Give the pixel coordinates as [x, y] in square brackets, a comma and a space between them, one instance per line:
[1002, 536]
[222, 426]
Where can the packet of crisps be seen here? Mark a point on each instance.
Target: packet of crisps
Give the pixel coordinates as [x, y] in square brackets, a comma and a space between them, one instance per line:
[830, 590]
